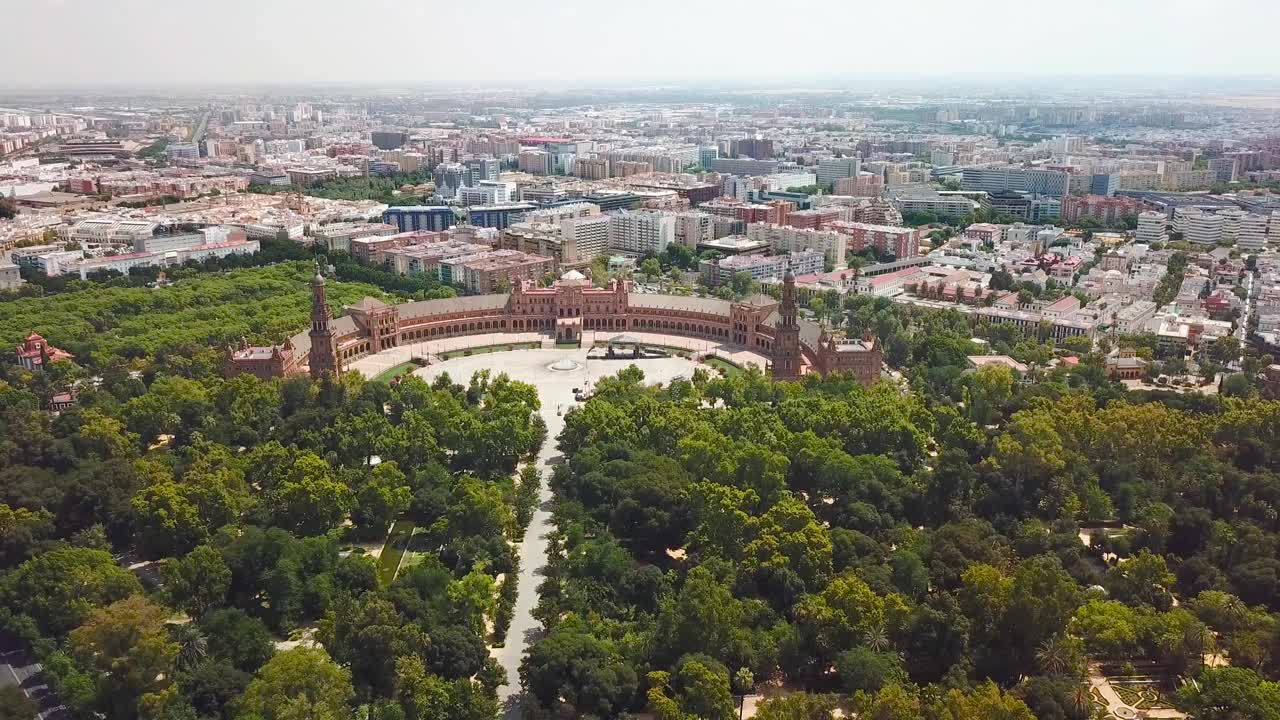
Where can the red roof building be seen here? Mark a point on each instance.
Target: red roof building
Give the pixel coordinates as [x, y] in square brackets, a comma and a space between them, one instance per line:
[35, 352]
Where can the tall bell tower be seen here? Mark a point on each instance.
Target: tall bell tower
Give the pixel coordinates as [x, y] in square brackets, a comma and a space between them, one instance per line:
[323, 357]
[786, 336]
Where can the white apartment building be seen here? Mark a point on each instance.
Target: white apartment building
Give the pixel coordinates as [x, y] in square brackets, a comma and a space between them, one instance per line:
[1229, 227]
[1253, 231]
[1152, 227]
[693, 227]
[563, 212]
[585, 238]
[786, 239]
[1132, 319]
[641, 232]
[781, 182]
[488, 192]
[108, 230]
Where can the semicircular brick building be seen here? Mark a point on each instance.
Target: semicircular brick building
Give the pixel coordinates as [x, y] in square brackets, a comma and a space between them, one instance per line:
[570, 306]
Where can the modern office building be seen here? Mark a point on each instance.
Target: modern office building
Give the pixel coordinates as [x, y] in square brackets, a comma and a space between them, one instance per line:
[1104, 183]
[413, 218]
[182, 151]
[1224, 169]
[1053, 183]
[449, 178]
[835, 168]
[1027, 206]
[388, 139]
[498, 216]
[481, 169]
[706, 155]
[1153, 227]
[487, 192]
[743, 166]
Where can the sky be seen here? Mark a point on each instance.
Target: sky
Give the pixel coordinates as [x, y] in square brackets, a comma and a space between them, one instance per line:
[601, 43]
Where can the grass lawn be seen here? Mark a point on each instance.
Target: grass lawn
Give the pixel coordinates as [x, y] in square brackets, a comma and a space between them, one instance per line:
[720, 363]
[389, 374]
[488, 349]
[568, 346]
[393, 550]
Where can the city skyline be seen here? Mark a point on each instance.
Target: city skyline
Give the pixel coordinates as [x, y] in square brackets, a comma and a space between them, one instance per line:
[249, 43]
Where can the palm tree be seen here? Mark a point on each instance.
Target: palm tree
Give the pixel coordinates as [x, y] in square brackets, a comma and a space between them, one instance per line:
[877, 638]
[1081, 702]
[192, 645]
[1054, 656]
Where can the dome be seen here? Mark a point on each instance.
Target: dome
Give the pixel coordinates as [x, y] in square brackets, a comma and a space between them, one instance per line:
[573, 275]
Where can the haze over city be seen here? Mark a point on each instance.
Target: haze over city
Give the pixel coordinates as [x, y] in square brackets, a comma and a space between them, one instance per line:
[574, 42]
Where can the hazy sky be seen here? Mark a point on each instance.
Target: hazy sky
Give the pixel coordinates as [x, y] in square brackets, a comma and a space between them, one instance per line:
[84, 43]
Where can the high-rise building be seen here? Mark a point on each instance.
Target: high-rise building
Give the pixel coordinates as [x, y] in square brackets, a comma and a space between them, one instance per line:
[535, 162]
[1152, 228]
[479, 169]
[585, 238]
[596, 168]
[449, 178]
[1104, 183]
[706, 155]
[757, 148]
[1224, 169]
[642, 232]
[832, 169]
[693, 227]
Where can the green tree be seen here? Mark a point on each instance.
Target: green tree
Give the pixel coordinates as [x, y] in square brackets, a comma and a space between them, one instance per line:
[59, 589]
[15, 705]
[198, 582]
[650, 268]
[297, 684]
[1231, 693]
[128, 648]
[383, 497]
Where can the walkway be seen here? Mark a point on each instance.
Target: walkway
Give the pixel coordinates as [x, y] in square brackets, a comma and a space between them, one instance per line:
[555, 392]
[1117, 707]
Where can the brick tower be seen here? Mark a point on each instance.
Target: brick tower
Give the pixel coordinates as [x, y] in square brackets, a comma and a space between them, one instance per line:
[786, 336]
[323, 358]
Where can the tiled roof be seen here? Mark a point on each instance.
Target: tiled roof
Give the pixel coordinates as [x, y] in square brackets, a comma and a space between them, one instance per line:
[710, 306]
[462, 303]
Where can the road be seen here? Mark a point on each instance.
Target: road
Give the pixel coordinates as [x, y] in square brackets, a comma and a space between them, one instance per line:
[555, 392]
[198, 135]
[18, 668]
